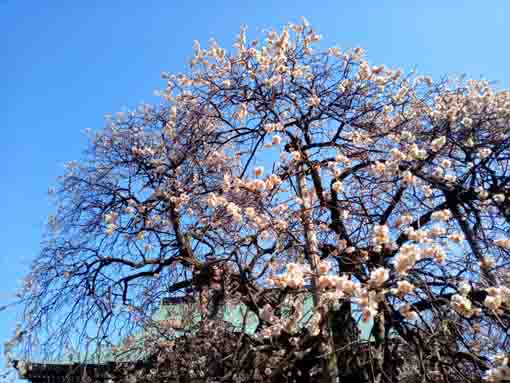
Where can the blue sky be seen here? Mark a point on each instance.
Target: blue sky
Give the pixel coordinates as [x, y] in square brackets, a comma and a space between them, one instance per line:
[65, 64]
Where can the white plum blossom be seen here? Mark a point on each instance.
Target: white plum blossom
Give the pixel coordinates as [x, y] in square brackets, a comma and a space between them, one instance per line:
[378, 277]
[258, 171]
[504, 243]
[437, 143]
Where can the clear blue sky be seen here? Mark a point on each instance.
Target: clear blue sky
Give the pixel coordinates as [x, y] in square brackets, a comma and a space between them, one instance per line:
[64, 64]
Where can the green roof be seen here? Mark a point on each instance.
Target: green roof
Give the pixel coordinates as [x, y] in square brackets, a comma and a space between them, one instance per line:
[237, 315]
[240, 317]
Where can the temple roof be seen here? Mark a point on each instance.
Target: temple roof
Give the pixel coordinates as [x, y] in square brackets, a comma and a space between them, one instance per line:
[172, 308]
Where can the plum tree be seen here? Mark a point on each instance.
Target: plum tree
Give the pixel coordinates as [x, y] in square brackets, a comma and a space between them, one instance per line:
[276, 173]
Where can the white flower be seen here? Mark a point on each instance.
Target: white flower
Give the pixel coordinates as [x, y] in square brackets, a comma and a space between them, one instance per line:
[462, 305]
[334, 51]
[456, 237]
[111, 217]
[379, 276]
[242, 112]
[492, 302]
[437, 231]
[276, 140]
[445, 163]
[213, 200]
[326, 281]
[417, 153]
[368, 303]
[427, 191]
[314, 100]
[404, 219]
[464, 289]
[378, 168]
[438, 172]
[381, 235]
[403, 288]
[323, 267]
[258, 171]
[267, 314]
[499, 198]
[482, 193]
[441, 215]
[504, 243]
[250, 212]
[484, 152]
[340, 158]
[337, 186]
[269, 127]
[110, 229]
[487, 263]
[409, 178]
[408, 312]
[438, 143]
[397, 155]
[407, 258]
